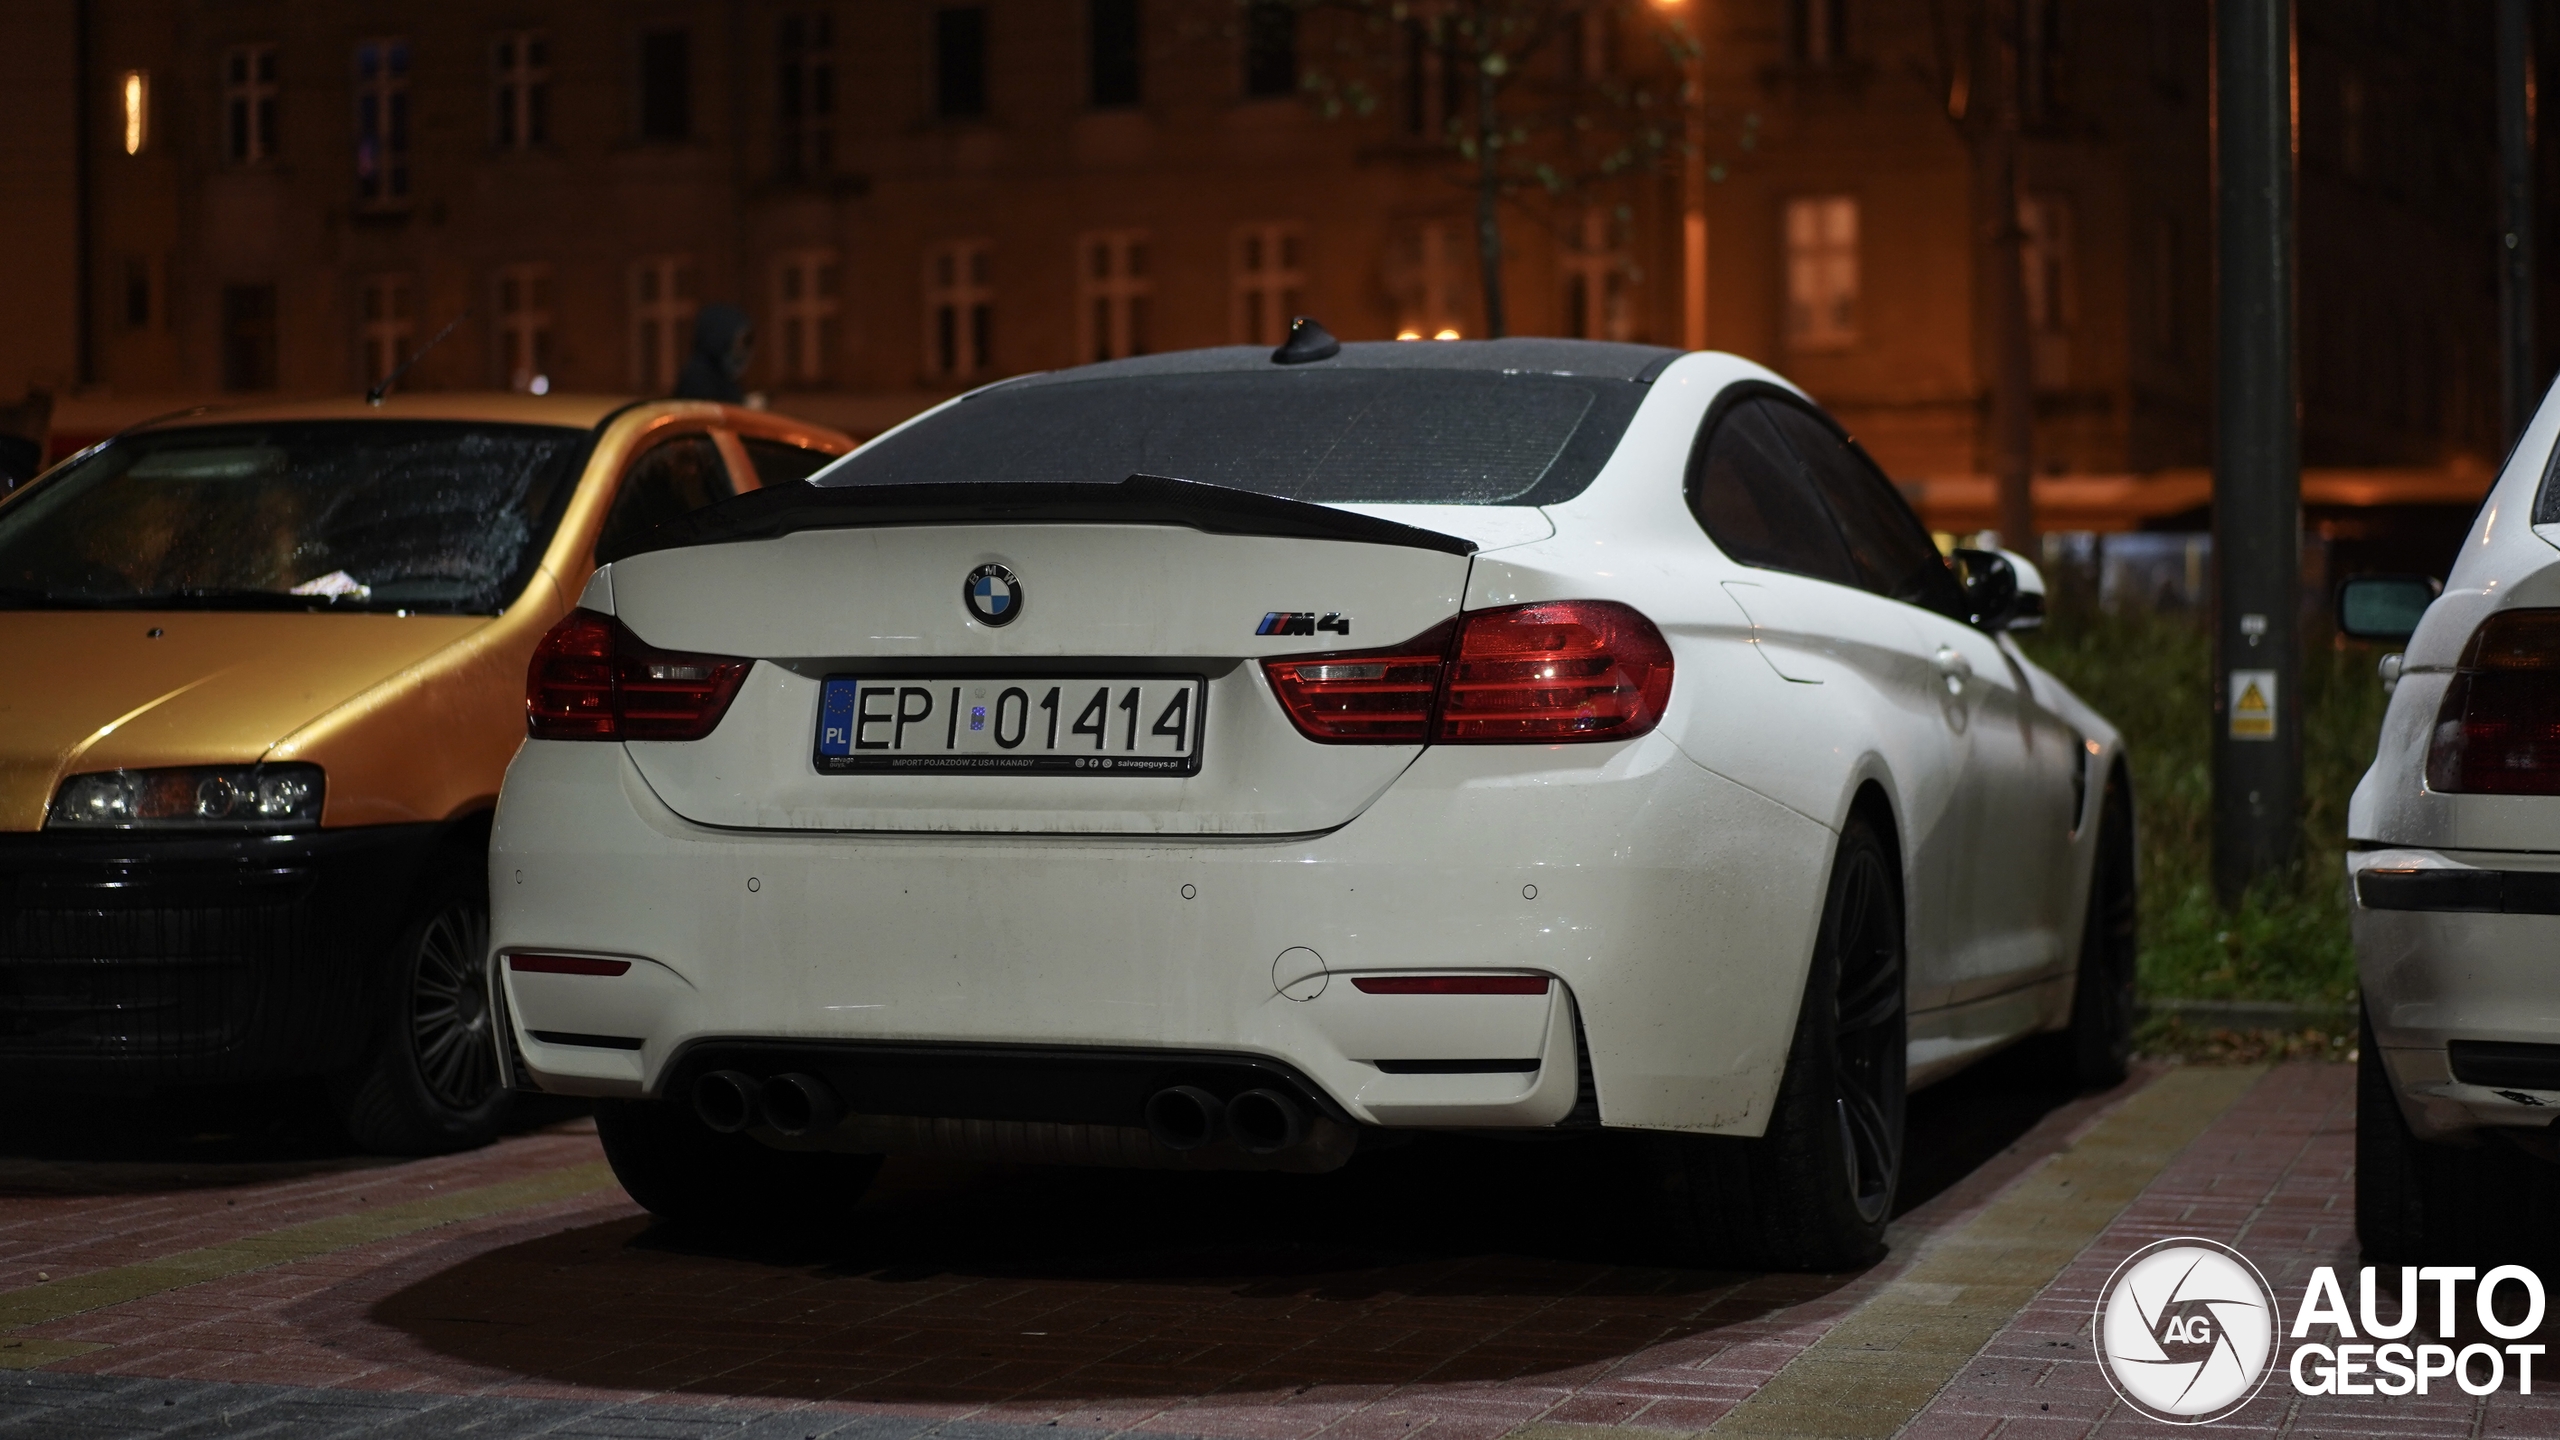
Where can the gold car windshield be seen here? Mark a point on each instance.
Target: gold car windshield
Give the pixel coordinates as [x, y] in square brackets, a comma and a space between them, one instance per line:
[439, 517]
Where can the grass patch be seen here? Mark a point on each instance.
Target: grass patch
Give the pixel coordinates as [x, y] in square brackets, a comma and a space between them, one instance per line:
[2152, 675]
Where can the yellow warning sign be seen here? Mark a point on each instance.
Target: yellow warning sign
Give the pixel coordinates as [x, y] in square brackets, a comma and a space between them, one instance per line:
[2253, 704]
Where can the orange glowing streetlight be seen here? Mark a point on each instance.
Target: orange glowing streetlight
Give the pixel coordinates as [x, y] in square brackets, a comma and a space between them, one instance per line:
[1693, 179]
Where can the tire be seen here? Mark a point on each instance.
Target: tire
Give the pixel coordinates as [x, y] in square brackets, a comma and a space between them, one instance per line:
[2099, 1048]
[2421, 1203]
[1814, 1192]
[430, 1083]
[726, 1186]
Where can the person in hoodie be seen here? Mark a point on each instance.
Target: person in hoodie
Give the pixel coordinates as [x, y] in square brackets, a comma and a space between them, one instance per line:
[724, 340]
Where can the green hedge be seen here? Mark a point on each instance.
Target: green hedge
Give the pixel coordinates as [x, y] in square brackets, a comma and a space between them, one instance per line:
[2152, 674]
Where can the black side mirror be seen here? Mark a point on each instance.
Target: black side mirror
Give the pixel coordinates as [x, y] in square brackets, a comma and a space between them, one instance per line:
[2384, 607]
[1992, 592]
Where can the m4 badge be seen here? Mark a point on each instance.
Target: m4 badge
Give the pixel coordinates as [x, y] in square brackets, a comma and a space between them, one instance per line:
[1303, 622]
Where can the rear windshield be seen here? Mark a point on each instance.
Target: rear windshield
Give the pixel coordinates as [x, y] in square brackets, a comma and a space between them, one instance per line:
[1428, 437]
[443, 517]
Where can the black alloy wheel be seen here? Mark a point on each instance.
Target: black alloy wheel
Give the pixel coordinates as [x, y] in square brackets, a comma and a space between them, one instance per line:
[1867, 1031]
[1815, 1190]
[2102, 1001]
[449, 1012]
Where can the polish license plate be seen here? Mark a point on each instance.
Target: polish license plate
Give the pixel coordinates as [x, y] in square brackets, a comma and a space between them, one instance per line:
[1081, 725]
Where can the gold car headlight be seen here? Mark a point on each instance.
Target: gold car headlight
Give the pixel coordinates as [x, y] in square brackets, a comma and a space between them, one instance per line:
[191, 797]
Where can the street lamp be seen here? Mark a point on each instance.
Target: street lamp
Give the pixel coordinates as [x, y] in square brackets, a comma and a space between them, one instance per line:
[1693, 177]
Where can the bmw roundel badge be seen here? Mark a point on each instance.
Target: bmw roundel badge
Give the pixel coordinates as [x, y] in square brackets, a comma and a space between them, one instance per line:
[993, 595]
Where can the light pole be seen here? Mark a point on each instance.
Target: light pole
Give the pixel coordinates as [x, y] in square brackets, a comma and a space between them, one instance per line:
[1693, 175]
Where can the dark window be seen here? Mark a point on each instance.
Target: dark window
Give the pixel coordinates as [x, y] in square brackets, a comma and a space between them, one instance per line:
[137, 292]
[1271, 48]
[666, 85]
[960, 61]
[805, 95]
[248, 337]
[1447, 437]
[1894, 554]
[681, 475]
[440, 516]
[780, 463]
[1112, 30]
[1758, 504]
[520, 90]
[249, 103]
[382, 122]
[1818, 32]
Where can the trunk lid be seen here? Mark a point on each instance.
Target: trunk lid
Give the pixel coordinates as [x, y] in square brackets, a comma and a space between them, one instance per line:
[1098, 601]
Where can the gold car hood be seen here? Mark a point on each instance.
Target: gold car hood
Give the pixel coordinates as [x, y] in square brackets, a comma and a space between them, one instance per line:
[111, 689]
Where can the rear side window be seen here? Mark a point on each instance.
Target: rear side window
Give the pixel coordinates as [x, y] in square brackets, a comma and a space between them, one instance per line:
[681, 475]
[779, 463]
[1895, 556]
[1757, 502]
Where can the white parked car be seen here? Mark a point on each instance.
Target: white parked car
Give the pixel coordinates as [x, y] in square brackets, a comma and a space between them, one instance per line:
[1222, 758]
[2453, 842]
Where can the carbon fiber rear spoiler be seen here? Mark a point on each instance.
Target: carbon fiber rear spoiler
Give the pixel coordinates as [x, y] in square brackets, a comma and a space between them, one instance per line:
[1138, 500]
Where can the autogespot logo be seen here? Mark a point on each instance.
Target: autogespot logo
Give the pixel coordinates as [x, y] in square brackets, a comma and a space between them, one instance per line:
[2185, 1330]
[2188, 1331]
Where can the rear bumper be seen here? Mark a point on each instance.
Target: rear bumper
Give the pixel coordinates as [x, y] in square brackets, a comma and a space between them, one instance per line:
[2459, 956]
[1673, 909]
[131, 962]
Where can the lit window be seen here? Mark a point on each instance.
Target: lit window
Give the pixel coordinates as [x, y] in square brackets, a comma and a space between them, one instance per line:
[1115, 291]
[524, 327]
[1429, 279]
[388, 326]
[959, 310]
[805, 96]
[249, 103]
[1268, 283]
[804, 314]
[520, 72]
[135, 89]
[661, 321]
[382, 121]
[1822, 272]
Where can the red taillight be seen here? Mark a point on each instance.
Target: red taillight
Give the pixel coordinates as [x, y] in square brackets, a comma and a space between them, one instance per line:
[1383, 697]
[1450, 984]
[592, 679]
[566, 965]
[2498, 731]
[1565, 670]
[1528, 674]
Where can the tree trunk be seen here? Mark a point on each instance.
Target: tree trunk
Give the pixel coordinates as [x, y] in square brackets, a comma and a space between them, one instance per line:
[1489, 198]
[2013, 414]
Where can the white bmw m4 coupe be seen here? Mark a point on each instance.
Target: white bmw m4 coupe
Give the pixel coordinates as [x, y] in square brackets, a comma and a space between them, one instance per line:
[1232, 757]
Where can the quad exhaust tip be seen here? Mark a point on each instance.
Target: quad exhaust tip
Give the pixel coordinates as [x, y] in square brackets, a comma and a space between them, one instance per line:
[798, 1104]
[727, 1100]
[1185, 1117]
[1265, 1122]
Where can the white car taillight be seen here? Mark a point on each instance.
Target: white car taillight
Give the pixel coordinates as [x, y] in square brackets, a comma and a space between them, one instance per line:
[1565, 670]
[2498, 731]
[592, 679]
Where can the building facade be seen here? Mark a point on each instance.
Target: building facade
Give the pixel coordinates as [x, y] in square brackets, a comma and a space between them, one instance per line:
[914, 196]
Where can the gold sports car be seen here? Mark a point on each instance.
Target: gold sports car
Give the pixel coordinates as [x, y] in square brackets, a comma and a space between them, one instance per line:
[266, 668]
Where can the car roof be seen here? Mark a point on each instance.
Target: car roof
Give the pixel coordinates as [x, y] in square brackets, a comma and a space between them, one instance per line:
[495, 406]
[1604, 359]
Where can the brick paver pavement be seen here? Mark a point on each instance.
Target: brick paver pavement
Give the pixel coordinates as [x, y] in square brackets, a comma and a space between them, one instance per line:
[1473, 1292]
[2274, 1179]
[1468, 1291]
